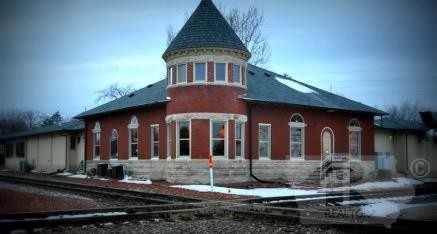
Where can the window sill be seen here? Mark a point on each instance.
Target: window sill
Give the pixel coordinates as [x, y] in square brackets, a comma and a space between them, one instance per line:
[113, 159]
[264, 159]
[155, 158]
[301, 158]
[133, 159]
[96, 159]
[185, 158]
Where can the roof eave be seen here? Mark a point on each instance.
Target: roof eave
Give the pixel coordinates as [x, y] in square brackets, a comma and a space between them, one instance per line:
[310, 107]
[83, 117]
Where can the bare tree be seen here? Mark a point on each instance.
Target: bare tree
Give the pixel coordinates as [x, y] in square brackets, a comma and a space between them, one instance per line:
[406, 110]
[247, 25]
[114, 91]
[17, 120]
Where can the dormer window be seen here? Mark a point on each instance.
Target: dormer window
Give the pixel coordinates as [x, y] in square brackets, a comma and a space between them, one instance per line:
[182, 73]
[220, 72]
[200, 72]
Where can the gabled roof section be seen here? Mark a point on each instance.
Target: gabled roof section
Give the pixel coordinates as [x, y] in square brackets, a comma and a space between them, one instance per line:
[206, 28]
[400, 124]
[74, 125]
[150, 95]
[268, 87]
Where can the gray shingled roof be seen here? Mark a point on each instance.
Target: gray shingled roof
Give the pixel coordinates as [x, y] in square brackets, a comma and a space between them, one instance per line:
[74, 125]
[151, 94]
[206, 28]
[269, 87]
[400, 124]
[261, 88]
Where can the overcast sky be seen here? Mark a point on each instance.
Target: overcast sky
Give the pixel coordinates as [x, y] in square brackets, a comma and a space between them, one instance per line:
[55, 54]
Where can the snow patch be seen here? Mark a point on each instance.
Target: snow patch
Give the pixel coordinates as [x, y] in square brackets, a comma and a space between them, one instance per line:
[64, 174]
[295, 85]
[128, 179]
[381, 209]
[397, 183]
[259, 192]
[79, 176]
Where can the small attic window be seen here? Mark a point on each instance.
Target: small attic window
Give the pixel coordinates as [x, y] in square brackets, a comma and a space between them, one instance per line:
[131, 95]
[267, 74]
[252, 73]
[150, 85]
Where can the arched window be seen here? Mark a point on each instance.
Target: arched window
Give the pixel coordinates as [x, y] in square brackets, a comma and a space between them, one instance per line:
[354, 139]
[133, 137]
[327, 142]
[297, 136]
[96, 141]
[114, 144]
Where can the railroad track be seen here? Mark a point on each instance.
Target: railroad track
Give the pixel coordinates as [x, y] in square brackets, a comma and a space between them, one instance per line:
[152, 198]
[83, 216]
[308, 209]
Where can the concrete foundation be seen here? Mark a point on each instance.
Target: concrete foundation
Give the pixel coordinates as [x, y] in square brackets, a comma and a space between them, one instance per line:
[195, 171]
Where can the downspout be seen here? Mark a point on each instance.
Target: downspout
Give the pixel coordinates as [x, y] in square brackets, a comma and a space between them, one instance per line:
[406, 152]
[250, 147]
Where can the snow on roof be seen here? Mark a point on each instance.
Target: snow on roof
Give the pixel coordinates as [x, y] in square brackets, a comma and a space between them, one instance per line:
[295, 85]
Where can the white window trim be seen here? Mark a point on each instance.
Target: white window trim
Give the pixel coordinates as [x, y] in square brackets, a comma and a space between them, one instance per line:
[169, 141]
[152, 142]
[321, 141]
[194, 73]
[186, 157]
[241, 157]
[110, 146]
[130, 143]
[226, 73]
[97, 129]
[269, 156]
[358, 158]
[226, 138]
[241, 74]
[186, 73]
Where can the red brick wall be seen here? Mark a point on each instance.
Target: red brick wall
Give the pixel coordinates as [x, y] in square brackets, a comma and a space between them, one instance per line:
[210, 73]
[316, 120]
[230, 73]
[120, 121]
[205, 98]
[189, 72]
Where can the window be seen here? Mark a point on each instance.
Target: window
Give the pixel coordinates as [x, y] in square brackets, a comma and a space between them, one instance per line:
[154, 136]
[169, 76]
[133, 137]
[239, 139]
[218, 138]
[72, 142]
[327, 142]
[354, 139]
[236, 73]
[19, 149]
[182, 73]
[9, 150]
[297, 136]
[264, 138]
[183, 138]
[168, 141]
[114, 144]
[200, 72]
[220, 71]
[96, 140]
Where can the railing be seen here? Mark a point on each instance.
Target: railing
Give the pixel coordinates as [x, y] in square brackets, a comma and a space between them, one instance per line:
[333, 161]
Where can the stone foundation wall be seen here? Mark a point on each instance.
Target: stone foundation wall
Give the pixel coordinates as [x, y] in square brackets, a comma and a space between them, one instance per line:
[195, 171]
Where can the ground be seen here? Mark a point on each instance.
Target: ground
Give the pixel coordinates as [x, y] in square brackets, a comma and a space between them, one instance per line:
[207, 225]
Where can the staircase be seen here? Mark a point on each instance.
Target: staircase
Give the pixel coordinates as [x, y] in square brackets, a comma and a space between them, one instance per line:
[334, 170]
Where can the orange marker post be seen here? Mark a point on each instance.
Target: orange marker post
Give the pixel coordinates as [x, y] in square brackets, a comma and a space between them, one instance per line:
[211, 178]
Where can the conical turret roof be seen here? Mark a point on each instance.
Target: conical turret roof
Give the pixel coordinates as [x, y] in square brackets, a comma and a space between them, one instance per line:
[206, 28]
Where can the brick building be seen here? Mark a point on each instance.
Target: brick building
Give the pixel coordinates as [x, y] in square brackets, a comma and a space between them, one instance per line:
[254, 122]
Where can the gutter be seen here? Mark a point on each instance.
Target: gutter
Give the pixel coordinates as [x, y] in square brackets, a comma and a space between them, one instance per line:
[250, 146]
